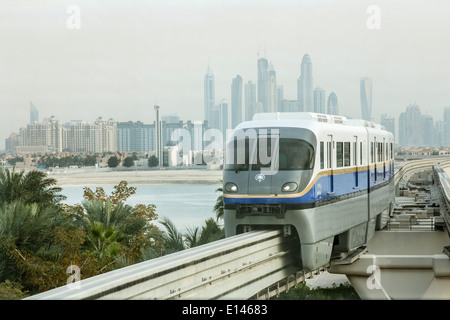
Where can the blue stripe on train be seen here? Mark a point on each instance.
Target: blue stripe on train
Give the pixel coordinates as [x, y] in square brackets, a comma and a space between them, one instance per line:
[344, 184]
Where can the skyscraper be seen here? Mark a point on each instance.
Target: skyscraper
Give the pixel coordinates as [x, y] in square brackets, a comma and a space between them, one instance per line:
[389, 123]
[236, 101]
[224, 117]
[305, 96]
[250, 100]
[158, 137]
[366, 98]
[263, 83]
[428, 132]
[34, 113]
[272, 88]
[319, 100]
[332, 104]
[446, 127]
[410, 127]
[209, 95]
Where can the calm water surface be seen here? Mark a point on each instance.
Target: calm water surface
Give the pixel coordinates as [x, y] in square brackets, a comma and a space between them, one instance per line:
[186, 205]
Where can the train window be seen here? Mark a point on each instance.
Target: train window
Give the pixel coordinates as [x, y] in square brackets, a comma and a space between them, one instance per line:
[371, 152]
[360, 153]
[237, 154]
[386, 152]
[329, 157]
[322, 155]
[339, 154]
[296, 154]
[346, 154]
[379, 151]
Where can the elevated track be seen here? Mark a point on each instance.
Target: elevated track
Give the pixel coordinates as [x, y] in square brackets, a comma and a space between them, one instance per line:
[232, 268]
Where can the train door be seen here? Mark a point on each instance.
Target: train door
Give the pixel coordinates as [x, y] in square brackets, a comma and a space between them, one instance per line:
[374, 160]
[264, 163]
[330, 162]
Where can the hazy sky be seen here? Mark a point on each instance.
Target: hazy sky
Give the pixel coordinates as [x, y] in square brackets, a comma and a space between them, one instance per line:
[78, 60]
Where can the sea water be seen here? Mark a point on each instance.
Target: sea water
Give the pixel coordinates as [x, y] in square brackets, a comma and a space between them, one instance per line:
[186, 205]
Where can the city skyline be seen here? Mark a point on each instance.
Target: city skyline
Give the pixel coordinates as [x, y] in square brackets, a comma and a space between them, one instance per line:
[122, 59]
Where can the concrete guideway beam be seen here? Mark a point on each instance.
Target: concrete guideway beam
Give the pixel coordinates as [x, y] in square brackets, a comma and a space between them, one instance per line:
[401, 265]
[399, 276]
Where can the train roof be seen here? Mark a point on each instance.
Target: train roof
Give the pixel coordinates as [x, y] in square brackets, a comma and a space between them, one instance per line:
[316, 117]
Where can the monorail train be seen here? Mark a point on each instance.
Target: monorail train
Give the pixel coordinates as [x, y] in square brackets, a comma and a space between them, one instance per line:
[325, 180]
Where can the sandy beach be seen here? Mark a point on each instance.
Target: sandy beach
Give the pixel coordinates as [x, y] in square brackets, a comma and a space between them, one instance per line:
[94, 177]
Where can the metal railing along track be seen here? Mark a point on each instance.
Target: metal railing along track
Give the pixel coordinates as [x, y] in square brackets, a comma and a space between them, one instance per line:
[232, 268]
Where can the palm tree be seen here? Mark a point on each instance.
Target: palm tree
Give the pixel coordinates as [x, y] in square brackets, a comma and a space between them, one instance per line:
[31, 187]
[172, 240]
[211, 231]
[218, 207]
[26, 229]
[111, 227]
[192, 237]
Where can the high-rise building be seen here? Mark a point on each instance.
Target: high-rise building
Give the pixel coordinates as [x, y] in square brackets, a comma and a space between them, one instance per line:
[158, 137]
[366, 98]
[221, 117]
[332, 104]
[98, 137]
[319, 100]
[280, 98]
[263, 83]
[428, 131]
[389, 123]
[250, 100]
[209, 95]
[410, 127]
[135, 137]
[446, 128]
[34, 113]
[272, 89]
[305, 98]
[224, 117]
[47, 133]
[12, 142]
[288, 105]
[236, 101]
[439, 133]
[170, 118]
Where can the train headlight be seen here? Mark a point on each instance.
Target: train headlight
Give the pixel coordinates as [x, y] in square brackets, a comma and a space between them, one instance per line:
[289, 187]
[231, 187]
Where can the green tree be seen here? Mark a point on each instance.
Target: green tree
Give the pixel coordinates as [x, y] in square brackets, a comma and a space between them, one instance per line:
[112, 225]
[110, 228]
[26, 237]
[31, 187]
[153, 161]
[128, 162]
[211, 231]
[11, 291]
[172, 240]
[218, 206]
[113, 162]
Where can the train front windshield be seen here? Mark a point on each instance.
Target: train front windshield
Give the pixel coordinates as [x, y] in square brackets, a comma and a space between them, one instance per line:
[256, 153]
